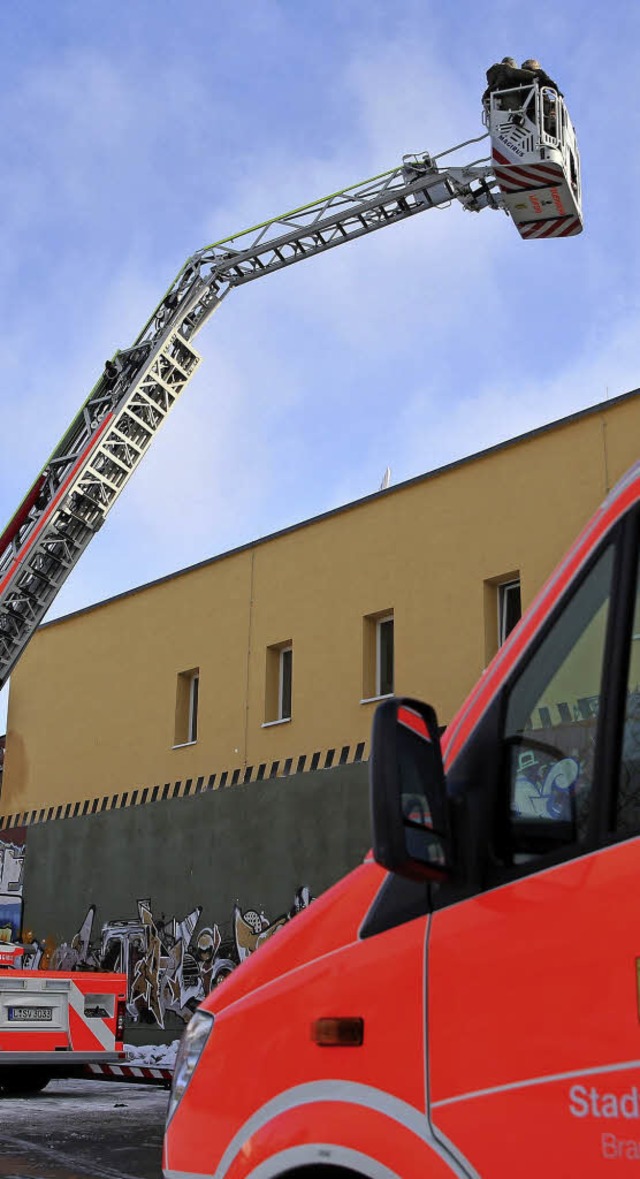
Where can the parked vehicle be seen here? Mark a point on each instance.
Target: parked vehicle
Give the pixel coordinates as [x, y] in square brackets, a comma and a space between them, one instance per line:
[55, 1023]
[467, 1001]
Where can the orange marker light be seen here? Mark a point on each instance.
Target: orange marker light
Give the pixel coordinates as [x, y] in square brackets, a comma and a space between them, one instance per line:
[341, 1032]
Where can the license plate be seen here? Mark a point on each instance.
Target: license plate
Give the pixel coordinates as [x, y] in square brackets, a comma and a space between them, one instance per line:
[30, 1014]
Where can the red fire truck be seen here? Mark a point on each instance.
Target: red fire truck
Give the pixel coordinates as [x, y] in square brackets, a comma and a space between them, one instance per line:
[93, 462]
[55, 1023]
[467, 1002]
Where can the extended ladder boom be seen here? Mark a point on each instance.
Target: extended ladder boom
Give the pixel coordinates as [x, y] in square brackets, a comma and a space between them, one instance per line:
[93, 462]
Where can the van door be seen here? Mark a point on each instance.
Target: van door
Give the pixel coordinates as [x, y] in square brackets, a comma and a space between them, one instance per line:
[533, 1009]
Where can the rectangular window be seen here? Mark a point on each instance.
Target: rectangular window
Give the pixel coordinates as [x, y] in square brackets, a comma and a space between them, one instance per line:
[384, 653]
[279, 682]
[378, 655]
[628, 802]
[193, 708]
[286, 673]
[502, 609]
[551, 758]
[187, 697]
[509, 608]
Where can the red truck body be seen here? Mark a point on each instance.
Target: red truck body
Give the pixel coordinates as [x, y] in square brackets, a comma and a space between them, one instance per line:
[55, 1023]
[474, 1009]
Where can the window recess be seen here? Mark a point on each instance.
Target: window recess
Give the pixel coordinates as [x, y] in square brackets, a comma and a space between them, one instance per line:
[502, 610]
[378, 665]
[279, 683]
[187, 701]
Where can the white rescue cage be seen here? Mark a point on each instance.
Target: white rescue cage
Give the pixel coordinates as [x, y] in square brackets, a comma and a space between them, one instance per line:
[536, 160]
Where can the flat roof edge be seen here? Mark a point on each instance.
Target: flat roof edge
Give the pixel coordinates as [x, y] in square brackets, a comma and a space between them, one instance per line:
[356, 503]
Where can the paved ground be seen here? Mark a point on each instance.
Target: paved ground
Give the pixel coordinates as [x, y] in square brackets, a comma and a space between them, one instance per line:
[83, 1130]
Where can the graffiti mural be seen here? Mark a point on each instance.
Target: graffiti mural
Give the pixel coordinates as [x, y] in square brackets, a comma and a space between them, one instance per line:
[77, 955]
[12, 852]
[165, 971]
[252, 929]
[545, 790]
[171, 965]
[554, 769]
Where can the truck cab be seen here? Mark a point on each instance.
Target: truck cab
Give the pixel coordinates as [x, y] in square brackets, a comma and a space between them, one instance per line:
[467, 1001]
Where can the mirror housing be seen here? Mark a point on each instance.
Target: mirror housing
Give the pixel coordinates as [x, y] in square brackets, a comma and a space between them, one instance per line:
[409, 813]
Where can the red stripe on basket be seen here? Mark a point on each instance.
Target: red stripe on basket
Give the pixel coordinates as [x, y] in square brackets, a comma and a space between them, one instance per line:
[571, 228]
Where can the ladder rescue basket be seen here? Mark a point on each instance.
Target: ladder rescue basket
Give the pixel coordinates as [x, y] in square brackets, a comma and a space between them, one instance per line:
[536, 161]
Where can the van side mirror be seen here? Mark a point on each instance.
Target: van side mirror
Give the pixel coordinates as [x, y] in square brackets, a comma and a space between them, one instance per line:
[408, 793]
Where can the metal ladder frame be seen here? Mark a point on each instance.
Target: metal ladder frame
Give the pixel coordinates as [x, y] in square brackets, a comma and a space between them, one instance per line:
[99, 452]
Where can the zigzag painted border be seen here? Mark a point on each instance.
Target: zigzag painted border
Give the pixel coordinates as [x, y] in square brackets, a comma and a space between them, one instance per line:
[283, 768]
[140, 1074]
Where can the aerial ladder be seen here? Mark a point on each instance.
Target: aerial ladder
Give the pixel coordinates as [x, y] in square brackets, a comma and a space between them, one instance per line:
[87, 471]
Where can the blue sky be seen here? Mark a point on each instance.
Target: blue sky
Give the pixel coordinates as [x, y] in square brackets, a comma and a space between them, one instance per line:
[133, 133]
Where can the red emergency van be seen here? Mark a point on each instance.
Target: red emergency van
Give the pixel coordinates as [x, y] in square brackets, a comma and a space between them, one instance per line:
[467, 1001]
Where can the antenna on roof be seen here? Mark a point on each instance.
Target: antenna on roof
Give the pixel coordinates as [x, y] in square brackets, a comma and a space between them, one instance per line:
[386, 479]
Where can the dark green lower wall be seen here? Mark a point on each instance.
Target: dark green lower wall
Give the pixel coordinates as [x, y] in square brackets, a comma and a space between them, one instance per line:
[252, 845]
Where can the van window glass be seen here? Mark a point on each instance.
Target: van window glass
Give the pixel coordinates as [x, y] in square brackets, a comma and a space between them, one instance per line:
[628, 805]
[551, 722]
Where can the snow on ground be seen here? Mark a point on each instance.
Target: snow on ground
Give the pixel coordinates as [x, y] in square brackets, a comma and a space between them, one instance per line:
[152, 1055]
[84, 1129]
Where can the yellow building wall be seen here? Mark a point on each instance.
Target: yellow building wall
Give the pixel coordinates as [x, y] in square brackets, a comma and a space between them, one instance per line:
[93, 701]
